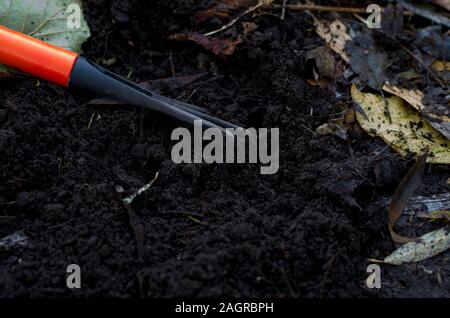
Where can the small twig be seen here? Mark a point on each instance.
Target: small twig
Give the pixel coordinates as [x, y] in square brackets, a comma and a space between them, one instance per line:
[429, 70]
[260, 4]
[426, 14]
[283, 11]
[172, 65]
[130, 199]
[314, 7]
[167, 212]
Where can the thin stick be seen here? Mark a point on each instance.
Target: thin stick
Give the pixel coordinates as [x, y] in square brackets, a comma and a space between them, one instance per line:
[283, 11]
[429, 70]
[260, 4]
[426, 14]
[313, 7]
[128, 200]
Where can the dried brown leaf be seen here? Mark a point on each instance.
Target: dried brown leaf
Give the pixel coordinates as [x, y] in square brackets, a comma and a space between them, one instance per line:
[409, 184]
[222, 9]
[435, 215]
[321, 61]
[216, 45]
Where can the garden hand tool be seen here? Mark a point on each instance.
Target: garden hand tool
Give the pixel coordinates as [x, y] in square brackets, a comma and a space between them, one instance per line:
[68, 69]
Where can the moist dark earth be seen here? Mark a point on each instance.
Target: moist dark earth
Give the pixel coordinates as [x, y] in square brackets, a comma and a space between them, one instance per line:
[202, 229]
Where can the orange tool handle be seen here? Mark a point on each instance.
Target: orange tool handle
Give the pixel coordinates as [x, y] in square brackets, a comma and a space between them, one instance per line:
[36, 57]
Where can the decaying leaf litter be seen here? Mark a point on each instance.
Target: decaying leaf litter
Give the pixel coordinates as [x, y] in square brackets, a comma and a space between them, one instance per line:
[391, 72]
[231, 34]
[422, 126]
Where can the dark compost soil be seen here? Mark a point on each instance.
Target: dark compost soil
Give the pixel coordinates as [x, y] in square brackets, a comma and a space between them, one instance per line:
[201, 230]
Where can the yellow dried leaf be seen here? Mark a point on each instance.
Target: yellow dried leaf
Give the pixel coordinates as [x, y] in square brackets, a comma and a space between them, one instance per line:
[412, 96]
[403, 128]
[441, 66]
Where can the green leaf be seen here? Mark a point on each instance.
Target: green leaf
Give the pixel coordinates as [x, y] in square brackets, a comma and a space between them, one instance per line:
[46, 20]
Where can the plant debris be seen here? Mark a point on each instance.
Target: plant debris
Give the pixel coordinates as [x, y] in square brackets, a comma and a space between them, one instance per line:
[437, 18]
[426, 246]
[409, 184]
[321, 62]
[427, 205]
[404, 130]
[417, 99]
[366, 59]
[335, 34]
[331, 128]
[435, 215]
[128, 200]
[259, 4]
[432, 41]
[222, 9]
[15, 239]
[443, 3]
[218, 46]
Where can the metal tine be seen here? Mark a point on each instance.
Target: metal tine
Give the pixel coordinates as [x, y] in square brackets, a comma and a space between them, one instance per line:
[177, 102]
[196, 110]
[179, 113]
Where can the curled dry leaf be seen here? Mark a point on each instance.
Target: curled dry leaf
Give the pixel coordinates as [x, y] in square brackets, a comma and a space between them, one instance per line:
[409, 184]
[331, 128]
[435, 215]
[343, 123]
[407, 132]
[321, 62]
[425, 247]
[322, 83]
